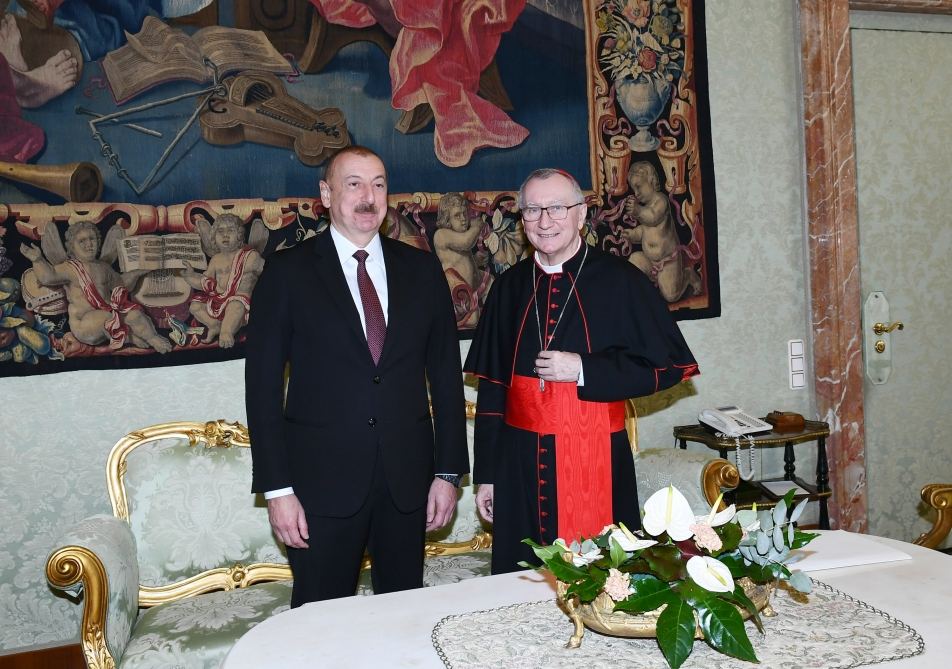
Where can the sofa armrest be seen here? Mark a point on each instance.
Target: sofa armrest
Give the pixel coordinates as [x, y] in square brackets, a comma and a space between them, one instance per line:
[937, 496]
[699, 476]
[97, 556]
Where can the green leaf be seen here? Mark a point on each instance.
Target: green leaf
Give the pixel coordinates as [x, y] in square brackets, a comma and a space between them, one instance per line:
[692, 593]
[11, 322]
[617, 554]
[801, 539]
[650, 593]
[734, 562]
[730, 534]
[676, 632]
[801, 582]
[798, 509]
[665, 562]
[566, 571]
[745, 517]
[724, 629]
[780, 511]
[588, 589]
[788, 498]
[740, 597]
[778, 538]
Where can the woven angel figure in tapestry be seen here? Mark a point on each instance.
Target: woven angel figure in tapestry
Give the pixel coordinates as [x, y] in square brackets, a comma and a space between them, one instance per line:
[222, 297]
[99, 306]
[661, 256]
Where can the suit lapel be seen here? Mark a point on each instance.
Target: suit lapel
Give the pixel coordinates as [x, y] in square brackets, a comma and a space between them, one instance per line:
[332, 276]
[399, 292]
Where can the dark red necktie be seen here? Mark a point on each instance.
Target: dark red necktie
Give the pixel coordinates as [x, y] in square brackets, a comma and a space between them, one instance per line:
[373, 313]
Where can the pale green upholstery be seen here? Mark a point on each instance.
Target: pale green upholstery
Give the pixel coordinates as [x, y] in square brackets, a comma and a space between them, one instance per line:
[699, 476]
[184, 524]
[199, 631]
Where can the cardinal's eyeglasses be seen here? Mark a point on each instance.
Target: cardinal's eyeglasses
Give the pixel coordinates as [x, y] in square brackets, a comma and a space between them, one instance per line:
[557, 212]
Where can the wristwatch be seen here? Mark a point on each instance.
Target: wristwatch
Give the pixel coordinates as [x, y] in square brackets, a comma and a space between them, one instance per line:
[453, 479]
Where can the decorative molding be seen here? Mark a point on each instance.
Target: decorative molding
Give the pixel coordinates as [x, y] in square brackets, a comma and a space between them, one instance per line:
[908, 6]
[832, 228]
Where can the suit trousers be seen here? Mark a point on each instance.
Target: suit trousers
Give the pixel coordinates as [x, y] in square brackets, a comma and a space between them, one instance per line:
[330, 566]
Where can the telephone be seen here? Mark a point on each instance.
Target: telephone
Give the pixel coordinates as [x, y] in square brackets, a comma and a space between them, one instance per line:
[732, 421]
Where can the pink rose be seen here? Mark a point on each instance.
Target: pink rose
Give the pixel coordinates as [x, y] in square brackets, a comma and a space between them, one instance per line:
[617, 585]
[706, 537]
[637, 12]
[648, 59]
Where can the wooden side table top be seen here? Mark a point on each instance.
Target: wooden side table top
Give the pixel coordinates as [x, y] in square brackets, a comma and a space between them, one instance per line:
[812, 430]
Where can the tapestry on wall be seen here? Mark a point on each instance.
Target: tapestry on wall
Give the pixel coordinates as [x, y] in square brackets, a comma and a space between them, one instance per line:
[150, 163]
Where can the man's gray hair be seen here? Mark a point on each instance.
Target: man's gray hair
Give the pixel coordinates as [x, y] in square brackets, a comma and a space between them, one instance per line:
[543, 174]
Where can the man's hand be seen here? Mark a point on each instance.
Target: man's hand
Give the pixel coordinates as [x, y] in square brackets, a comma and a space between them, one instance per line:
[558, 365]
[484, 501]
[288, 521]
[440, 504]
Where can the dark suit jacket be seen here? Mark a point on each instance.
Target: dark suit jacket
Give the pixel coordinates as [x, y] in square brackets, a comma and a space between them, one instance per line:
[342, 411]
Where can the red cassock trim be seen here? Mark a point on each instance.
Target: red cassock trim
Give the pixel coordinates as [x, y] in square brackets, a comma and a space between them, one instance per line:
[583, 460]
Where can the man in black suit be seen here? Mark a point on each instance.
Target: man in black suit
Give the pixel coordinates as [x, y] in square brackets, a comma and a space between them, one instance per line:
[350, 458]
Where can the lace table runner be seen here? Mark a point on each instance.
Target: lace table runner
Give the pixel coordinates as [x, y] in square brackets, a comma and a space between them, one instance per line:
[830, 630]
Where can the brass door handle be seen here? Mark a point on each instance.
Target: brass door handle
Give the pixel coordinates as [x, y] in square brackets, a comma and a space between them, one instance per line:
[881, 328]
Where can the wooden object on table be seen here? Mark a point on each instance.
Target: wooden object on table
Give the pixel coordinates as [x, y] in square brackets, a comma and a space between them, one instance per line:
[785, 421]
[756, 491]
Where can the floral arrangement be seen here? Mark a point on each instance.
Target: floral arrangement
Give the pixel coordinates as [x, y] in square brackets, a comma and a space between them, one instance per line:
[691, 567]
[641, 39]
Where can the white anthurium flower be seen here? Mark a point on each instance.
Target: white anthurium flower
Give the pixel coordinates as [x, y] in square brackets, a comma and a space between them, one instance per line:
[628, 541]
[715, 517]
[710, 574]
[581, 555]
[667, 510]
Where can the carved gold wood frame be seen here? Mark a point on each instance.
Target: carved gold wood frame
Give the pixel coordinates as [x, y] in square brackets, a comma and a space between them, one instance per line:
[939, 497]
[213, 434]
[833, 234]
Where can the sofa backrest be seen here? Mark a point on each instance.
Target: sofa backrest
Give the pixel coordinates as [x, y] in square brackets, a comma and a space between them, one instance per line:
[185, 488]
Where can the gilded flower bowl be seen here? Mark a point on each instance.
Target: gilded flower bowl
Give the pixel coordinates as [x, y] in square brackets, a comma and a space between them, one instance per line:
[599, 615]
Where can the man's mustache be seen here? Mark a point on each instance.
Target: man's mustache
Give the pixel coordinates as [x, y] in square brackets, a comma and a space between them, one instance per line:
[365, 208]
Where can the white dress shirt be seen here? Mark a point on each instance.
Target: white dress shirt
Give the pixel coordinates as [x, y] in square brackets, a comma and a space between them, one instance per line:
[377, 269]
[557, 269]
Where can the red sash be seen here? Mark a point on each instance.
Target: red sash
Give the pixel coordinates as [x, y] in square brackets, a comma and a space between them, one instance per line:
[583, 460]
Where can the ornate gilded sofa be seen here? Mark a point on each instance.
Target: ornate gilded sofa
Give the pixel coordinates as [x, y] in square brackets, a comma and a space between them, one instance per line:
[187, 562]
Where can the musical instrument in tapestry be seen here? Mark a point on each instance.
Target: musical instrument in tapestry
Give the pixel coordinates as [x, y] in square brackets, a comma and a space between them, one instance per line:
[162, 288]
[259, 109]
[74, 182]
[40, 299]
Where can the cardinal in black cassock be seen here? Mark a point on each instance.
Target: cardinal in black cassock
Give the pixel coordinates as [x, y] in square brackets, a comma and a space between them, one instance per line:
[556, 452]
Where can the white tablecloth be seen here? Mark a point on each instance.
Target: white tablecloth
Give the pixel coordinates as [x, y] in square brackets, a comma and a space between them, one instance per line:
[395, 630]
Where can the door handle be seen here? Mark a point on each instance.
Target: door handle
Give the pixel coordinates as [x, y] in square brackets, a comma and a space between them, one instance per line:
[880, 328]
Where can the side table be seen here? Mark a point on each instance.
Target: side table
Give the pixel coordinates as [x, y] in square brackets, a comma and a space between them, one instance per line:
[812, 431]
